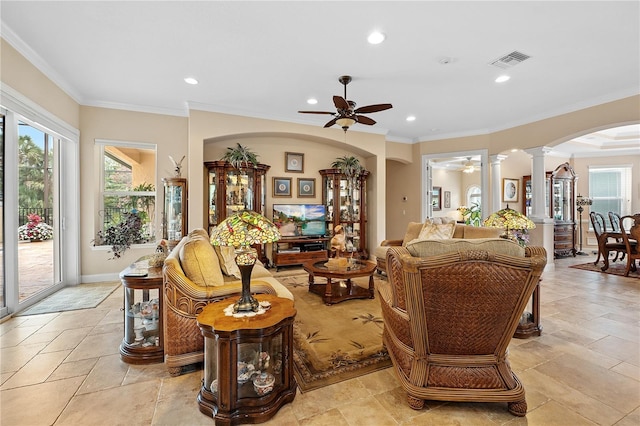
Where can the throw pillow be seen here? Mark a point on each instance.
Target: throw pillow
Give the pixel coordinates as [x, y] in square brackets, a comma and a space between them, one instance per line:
[200, 262]
[413, 230]
[482, 232]
[227, 258]
[432, 231]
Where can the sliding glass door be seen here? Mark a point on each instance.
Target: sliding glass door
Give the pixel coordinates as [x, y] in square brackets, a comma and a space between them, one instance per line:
[38, 266]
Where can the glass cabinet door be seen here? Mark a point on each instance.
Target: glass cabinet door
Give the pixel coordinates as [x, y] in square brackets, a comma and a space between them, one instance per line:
[175, 208]
[260, 367]
[142, 317]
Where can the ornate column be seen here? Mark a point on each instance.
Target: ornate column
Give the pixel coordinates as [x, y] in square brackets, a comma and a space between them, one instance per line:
[496, 179]
[543, 234]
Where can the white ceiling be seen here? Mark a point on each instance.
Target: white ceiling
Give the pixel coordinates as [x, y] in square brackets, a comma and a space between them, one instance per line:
[265, 58]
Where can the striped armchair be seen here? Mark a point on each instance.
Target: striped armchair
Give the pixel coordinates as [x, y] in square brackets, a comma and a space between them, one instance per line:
[449, 310]
[193, 278]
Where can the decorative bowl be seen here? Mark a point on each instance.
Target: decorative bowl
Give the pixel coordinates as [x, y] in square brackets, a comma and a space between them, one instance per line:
[263, 383]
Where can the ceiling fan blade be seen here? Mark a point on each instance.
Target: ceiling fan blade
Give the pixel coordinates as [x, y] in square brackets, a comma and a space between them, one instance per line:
[316, 112]
[365, 120]
[340, 102]
[373, 108]
[332, 122]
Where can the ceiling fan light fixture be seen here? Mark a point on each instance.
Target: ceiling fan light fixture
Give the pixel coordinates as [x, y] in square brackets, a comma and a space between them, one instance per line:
[468, 166]
[345, 122]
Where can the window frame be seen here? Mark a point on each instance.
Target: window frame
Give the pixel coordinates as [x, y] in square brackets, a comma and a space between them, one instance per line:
[625, 190]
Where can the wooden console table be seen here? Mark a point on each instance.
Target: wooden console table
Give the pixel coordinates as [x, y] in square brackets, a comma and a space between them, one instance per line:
[248, 362]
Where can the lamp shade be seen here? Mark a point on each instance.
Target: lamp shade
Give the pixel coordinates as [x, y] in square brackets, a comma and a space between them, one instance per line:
[244, 229]
[508, 219]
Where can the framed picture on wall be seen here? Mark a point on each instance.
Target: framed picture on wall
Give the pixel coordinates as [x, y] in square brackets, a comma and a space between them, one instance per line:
[510, 190]
[447, 199]
[294, 162]
[306, 187]
[436, 198]
[281, 187]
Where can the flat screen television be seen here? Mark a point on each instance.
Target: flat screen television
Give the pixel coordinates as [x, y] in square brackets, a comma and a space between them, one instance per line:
[300, 220]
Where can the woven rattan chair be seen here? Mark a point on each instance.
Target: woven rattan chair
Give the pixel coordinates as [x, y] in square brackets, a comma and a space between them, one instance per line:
[606, 243]
[449, 318]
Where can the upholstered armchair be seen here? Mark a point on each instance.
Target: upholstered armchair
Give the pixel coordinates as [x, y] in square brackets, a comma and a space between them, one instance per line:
[194, 276]
[450, 309]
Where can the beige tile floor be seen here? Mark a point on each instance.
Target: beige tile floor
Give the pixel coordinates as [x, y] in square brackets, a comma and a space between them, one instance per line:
[64, 369]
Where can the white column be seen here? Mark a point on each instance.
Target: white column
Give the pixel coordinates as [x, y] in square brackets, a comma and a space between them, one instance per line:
[543, 234]
[496, 179]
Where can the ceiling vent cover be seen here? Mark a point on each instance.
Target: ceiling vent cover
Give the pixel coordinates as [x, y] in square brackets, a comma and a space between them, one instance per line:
[509, 60]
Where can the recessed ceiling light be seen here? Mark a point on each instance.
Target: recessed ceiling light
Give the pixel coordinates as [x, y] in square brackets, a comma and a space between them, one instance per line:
[376, 37]
[502, 78]
[190, 80]
[312, 101]
[515, 150]
[411, 118]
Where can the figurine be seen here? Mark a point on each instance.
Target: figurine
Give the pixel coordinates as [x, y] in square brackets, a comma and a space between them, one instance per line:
[338, 240]
[177, 165]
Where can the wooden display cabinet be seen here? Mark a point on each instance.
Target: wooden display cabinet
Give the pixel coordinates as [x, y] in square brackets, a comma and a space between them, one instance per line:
[248, 362]
[143, 341]
[347, 207]
[231, 190]
[174, 218]
[560, 205]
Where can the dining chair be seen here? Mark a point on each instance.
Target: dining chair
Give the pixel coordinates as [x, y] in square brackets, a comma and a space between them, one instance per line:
[605, 246]
[614, 219]
[630, 239]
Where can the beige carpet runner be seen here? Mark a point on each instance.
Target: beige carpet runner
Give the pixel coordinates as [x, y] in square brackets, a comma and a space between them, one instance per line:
[337, 342]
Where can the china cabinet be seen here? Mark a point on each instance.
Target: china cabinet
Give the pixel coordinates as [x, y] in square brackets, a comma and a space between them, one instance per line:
[174, 219]
[231, 190]
[143, 337]
[347, 206]
[248, 362]
[560, 203]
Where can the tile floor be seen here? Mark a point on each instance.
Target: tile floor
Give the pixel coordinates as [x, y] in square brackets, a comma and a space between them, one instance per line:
[64, 369]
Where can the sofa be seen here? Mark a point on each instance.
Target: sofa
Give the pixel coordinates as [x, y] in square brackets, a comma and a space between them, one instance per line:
[194, 275]
[414, 229]
[450, 308]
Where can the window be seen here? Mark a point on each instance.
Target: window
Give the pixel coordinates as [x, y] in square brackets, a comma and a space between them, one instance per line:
[128, 173]
[474, 196]
[610, 189]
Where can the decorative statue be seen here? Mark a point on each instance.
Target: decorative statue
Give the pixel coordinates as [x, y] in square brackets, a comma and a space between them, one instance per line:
[338, 240]
[177, 165]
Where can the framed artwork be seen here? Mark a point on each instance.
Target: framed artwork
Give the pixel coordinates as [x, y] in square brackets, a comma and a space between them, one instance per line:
[447, 199]
[281, 187]
[436, 198]
[294, 162]
[306, 187]
[510, 190]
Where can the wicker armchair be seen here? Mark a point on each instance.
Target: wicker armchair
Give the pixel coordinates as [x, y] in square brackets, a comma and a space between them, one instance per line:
[448, 319]
[184, 299]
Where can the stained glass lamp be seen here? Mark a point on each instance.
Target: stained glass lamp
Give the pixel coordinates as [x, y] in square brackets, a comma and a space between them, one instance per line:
[513, 222]
[241, 231]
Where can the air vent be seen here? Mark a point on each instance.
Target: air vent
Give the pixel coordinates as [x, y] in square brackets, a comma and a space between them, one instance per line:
[509, 60]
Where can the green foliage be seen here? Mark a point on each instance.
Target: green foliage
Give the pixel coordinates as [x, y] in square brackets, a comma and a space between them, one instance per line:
[31, 175]
[122, 235]
[471, 215]
[348, 166]
[240, 157]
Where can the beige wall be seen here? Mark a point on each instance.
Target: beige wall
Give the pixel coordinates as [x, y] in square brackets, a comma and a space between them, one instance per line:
[168, 133]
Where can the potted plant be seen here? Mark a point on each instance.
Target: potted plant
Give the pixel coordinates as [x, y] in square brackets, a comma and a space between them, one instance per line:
[240, 156]
[122, 235]
[35, 229]
[351, 168]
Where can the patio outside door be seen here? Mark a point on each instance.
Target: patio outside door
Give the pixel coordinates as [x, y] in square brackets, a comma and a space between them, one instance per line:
[38, 266]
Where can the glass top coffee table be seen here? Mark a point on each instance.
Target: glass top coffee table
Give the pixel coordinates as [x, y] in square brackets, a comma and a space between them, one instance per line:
[335, 290]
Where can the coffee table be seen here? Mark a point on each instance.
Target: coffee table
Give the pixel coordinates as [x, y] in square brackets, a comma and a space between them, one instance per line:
[334, 291]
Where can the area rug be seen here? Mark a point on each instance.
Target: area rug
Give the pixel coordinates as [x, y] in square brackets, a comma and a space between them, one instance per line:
[81, 296]
[337, 342]
[615, 268]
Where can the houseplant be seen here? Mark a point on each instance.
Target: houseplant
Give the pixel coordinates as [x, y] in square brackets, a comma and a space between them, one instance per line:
[351, 168]
[240, 156]
[123, 234]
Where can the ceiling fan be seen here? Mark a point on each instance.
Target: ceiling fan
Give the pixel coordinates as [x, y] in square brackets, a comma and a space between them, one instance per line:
[347, 114]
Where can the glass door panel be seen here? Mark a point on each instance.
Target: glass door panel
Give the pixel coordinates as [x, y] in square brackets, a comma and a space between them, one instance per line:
[36, 212]
[3, 301]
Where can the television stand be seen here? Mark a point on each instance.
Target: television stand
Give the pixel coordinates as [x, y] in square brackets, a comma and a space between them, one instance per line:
[298, 250]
